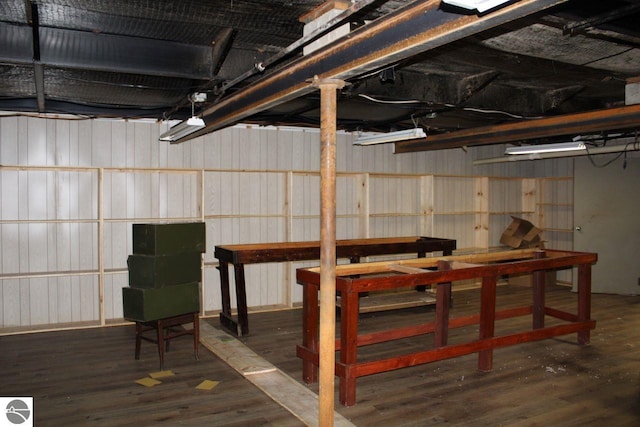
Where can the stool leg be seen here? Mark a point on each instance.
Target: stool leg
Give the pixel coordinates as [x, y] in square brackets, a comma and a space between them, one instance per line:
[196, 334]
[138, 339]
[161, 343]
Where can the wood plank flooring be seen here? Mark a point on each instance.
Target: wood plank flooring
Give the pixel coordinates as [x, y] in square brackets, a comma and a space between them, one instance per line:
[552, 382]
[87, 377]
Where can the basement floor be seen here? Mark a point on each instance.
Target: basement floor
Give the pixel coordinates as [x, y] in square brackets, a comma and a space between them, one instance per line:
[88, 377]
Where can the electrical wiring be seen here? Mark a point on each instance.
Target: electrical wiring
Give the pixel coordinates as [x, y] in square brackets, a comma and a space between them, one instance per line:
[635, 147]
[451, 106]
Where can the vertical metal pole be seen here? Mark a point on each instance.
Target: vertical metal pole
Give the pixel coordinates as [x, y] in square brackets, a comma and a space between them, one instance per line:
[328, 107]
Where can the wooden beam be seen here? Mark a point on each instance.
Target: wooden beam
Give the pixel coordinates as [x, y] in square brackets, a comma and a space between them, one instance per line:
[627, 117]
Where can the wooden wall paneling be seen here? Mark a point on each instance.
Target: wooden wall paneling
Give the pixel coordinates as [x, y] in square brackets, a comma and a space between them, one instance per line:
[100, 250]
[117, 244]
[9, 153]
[61, 138]
[454, 209]
[306, 207]
[4, 293]
[24, 302]
[143, 194]
[555, 206]
[506, 199]
[11, 302]
[9, 186]
[481, 202]
[287, 211]
[38, 301]
[114, 282]
[52, 214]
[426, 206]
[74, 151]
[397, 200]
[64, 299]
[145, 148]
[53, 310]
[311, 150]
[118, 143]
[530, 199]
[10, 243]
[363, 205]
[36, 138]
[211, 296]
[37, 243]
[88, 298]
[166, 196]
[101, 143]
[347, 190]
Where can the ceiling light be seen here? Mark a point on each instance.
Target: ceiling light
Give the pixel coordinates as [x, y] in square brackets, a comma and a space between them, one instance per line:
[480, 5]
[382, 138]
[182, 129]
[546, 148]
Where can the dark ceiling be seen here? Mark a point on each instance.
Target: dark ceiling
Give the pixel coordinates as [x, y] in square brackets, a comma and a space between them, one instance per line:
[144, 58]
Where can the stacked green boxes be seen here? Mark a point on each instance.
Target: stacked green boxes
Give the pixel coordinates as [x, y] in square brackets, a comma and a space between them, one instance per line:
[164, 271]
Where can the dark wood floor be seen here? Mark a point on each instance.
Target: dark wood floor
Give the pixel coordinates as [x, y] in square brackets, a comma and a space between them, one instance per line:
[88, 377]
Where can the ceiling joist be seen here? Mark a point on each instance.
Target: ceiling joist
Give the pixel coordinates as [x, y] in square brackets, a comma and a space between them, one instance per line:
[620, 118]
[417, 28]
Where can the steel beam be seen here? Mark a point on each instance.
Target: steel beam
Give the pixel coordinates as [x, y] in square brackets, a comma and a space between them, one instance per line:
[620, 118]
[416, 28]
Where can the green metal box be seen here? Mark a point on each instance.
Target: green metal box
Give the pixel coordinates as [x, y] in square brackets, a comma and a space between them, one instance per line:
[169, 239]
[149, 271]
[143, 305]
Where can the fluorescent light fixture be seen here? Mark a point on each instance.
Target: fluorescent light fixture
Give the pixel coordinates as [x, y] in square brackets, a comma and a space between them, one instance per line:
[546, 148]
[182, 129]
[382, 138]
[480, 5]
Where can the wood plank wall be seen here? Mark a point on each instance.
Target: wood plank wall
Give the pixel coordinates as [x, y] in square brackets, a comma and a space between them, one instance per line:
[71, 189]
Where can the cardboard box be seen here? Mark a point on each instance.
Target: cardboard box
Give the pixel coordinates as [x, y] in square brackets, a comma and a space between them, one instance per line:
[521, 234]
[149, 271]
[144, 305]
[169, 239]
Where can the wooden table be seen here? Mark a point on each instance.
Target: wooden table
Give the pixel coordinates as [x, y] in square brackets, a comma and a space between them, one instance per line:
[352, 280]
[239, 255]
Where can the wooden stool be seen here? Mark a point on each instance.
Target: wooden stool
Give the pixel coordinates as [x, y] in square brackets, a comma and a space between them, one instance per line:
[165, 331]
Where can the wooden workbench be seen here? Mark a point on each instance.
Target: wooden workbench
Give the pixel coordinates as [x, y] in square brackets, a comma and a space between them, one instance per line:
[353, 249]
[351, 280]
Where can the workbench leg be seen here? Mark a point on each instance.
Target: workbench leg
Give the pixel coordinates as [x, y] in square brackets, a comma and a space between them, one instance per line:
[538, 299]
[241, 297]
[310, 331]
[349, 345]
[443, 300]
[225, 295]
[538, 294]
[584, 301]
[487, 320]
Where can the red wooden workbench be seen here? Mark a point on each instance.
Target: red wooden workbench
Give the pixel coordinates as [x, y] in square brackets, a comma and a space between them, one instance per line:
[354, 249]
[351, 280]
